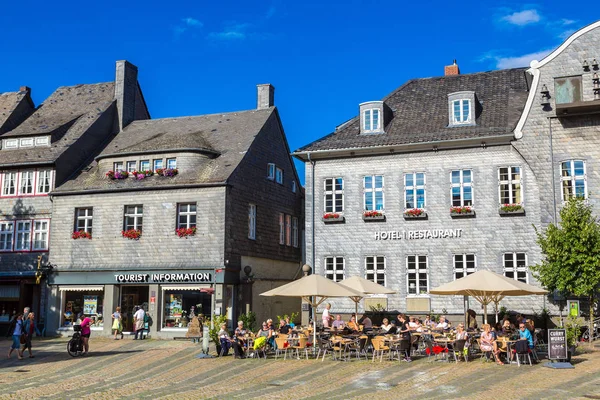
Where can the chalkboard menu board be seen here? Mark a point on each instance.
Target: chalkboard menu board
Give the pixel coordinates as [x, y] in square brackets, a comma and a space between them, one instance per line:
[557, 344]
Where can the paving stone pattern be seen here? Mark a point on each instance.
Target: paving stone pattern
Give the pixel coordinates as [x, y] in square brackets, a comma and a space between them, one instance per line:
[149, 369]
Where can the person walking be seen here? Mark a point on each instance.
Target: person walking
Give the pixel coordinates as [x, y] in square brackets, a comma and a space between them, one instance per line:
[30, 328]
[117, 325]
[26, 313]
[16, 329]
[138, 319]
[86, 331]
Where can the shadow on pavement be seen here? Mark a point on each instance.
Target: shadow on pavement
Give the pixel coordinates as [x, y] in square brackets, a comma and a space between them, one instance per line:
[44, 357]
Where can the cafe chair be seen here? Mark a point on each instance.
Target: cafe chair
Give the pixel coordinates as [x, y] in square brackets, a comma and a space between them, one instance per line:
[324, 347]
[379, 348]
[522, 352]
[457, 348]
[282, 346]
[301, 346]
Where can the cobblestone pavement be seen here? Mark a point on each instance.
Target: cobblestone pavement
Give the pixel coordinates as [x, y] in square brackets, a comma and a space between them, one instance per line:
[127, 369]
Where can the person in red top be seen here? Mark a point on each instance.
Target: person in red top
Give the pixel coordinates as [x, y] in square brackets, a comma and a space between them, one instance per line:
[85, 333]
[30, 329]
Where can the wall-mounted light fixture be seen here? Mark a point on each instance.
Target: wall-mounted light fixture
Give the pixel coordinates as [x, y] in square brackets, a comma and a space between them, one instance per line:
[585, 65]
[545, 96]
[594, 64]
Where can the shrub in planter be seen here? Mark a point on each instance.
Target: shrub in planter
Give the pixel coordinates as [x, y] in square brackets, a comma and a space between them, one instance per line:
[185, 232]
[117, 174]
[132, 234]
[81, 235]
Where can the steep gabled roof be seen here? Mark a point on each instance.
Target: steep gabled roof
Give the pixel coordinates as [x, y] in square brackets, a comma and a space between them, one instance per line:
[9, 101]
[420, 112]
[67, 114]
[223, 138]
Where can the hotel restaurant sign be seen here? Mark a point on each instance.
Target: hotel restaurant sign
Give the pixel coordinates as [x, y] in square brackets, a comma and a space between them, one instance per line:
[416, 235]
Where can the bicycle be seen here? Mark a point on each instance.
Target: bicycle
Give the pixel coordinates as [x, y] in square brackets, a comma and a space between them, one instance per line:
[75, 345]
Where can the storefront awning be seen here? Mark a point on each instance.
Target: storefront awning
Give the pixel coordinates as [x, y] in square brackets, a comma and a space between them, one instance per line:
[80, 288]
[185, 287]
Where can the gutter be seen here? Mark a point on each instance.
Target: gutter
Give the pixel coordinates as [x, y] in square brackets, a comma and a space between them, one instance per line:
[28, 164]
[138, 189]
[312, 209]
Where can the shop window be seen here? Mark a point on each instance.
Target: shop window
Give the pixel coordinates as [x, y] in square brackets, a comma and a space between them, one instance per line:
[186, 215]
[9, 306]
[417, 279]
[464, 264]
[414, 190]
[84, 218]
[515, 266]
[133, 217]
[510, 185]
[179, 305]
[334, 268]
[373, 193]
[462, 188]
[44, 181]
[9, 182]
[88, 302]
[375, 269]
[334, 195]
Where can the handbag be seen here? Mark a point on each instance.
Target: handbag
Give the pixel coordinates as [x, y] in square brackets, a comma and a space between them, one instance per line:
[23, 338]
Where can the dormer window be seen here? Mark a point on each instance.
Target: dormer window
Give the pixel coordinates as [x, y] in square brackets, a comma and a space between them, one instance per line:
[461, 108]
[372, 117]
[11, 143]
[26, 142]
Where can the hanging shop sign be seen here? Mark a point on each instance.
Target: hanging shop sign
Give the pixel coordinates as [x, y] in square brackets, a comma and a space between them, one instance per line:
[163, 278]
[423, 234]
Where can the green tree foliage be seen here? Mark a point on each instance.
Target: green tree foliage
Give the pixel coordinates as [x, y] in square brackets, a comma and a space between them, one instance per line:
[571, 252]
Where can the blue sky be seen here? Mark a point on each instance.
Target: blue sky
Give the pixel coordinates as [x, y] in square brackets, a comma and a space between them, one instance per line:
[323, 57]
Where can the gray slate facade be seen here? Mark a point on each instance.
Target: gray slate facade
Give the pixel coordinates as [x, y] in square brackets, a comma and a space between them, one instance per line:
[511, 129]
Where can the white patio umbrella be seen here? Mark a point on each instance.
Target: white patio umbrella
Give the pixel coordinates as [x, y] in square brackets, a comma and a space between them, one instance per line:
[313, 289]
[487, 287]
[364, 286]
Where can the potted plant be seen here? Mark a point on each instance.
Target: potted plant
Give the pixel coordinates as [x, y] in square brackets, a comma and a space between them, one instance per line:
[112, 175]
[333, 217]
[185, 232]
[373, 215]
[132, 234]
[573, 329]
[81, 235]
[511, 209]
[139, 175]
[462, 211]
[167, 171]
[213, 332]
[415, 213]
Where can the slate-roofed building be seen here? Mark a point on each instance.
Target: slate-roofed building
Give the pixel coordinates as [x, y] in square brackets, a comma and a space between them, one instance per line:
[195, 213]
[41, 147]
[449, 175]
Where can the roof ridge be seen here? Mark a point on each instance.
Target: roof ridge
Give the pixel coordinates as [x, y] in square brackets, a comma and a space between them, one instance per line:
[141, 121]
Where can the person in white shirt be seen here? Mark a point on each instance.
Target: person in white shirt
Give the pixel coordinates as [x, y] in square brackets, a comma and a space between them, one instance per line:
[442, 324]
[138, 318]
[327, 318]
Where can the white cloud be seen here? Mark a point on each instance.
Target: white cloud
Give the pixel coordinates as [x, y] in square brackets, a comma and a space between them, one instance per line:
[567, 33]
[522, 18]
[231, 32]
[186, 24]
[189, 21]
[565, 21]
[520, 61]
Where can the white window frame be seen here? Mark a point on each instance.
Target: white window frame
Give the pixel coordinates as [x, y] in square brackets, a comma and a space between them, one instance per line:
[43, 174]
[137, 215]
[23, 235]
[372, 192]
[572, 179]
[463, 119]
[41, 233]
[252, 221]
[373, 266]
[118, 166]
[333, 195]
[11, 143]
[295, 231]
[288, 230]
[419, 291]
[279, 175]
[147, 165]
[157, 163]
[515, 195]
[414, 188]
[9, 183]
[87, 219]
[462, 266]
[26, 142]
[281, 228]
[462, 185]
[368, 118]
[172, 161]
[338, 264]
[42, 141]
[515, 269]
[131, 166]
[27, 181]
[271, 171]
[7, 235]
[294, 187]
[185, 210]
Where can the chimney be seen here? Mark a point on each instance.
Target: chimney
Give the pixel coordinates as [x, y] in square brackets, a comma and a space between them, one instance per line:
[25, 89]
[451, 69]
[125, 90]
[265, 96]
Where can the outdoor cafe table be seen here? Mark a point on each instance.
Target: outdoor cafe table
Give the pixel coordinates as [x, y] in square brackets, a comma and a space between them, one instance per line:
[443, 343]
[509, 345]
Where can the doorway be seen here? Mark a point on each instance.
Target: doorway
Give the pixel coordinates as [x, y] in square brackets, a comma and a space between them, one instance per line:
[132, 296]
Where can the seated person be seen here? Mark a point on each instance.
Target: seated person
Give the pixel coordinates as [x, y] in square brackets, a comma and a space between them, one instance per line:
[442, 324]
[263, 332]
[366, 323]
[338, 323]
[507, 328]
[239, 341]
[428, 321]
[385, 325]
[289, 323]
[498, 329]
[525, 334]
[224, 339]
[352, 325]
[414, 324]
[284, 328]
[393, 328]
[461, 334]
[487, 342]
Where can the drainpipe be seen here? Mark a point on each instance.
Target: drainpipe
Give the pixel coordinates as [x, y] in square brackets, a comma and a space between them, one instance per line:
[312, 209]
[552, 169]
